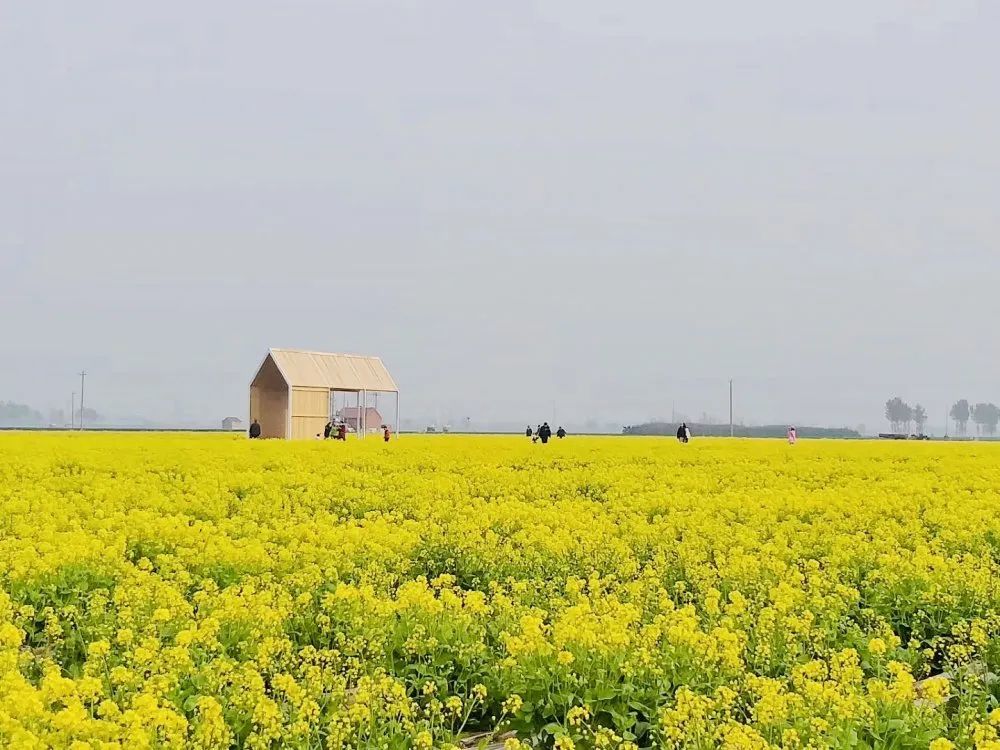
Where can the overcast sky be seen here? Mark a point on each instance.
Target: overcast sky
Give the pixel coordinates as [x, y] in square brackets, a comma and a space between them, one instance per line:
[613, 207]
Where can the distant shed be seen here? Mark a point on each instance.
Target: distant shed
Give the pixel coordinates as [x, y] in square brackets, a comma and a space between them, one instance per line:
[354, 418]
[291, 394]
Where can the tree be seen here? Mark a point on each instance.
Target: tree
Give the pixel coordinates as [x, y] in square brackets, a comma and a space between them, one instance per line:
[919, 418]
[961, 412]
[979, 417]
[992, 418]
[899, 413]
[89, 415]
[986, 417]
[18, 415]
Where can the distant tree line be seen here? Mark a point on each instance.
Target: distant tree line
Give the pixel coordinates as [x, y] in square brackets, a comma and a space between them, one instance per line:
[722, 430]
[901, 416]
[985, 415]
[18, 415]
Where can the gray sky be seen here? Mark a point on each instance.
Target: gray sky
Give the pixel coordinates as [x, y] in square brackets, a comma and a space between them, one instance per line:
[610, 206]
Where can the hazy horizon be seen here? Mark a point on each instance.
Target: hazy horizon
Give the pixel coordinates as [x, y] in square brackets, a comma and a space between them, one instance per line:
[609, 211]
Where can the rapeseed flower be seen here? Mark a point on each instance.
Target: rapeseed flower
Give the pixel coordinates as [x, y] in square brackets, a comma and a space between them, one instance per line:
[206, 592]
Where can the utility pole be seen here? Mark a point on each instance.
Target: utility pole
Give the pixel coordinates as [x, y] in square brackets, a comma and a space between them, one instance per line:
[83, 374]
[730, 407]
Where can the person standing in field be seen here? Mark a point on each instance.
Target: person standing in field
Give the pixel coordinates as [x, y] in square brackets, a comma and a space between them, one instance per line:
[560, 433]
[792, 436]
[255, 430]
[683, 433]
[387, 433]
[342, 431]
[687, 433]
[527, 432]
[545, 432]
[327, 430]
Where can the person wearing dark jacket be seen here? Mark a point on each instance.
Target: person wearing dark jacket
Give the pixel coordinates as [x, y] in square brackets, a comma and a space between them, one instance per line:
[682, 433]
[544, 432]
[560, 433]
[527, 432]
[327, 430]
[255, 430]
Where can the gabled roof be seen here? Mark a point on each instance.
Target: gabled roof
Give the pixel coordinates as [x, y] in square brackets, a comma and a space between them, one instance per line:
[345, 372]
[372, 415]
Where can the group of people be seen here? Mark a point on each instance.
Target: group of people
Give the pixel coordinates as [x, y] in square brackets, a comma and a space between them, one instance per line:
[543, 433]
[338, 431]
[335, 431]
[684, 434]
[331, 431]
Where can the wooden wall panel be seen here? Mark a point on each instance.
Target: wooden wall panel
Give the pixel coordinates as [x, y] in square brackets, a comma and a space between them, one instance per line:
[311, 402]
[270, 408]
[269, 401]
[307, 428]
[310, 412]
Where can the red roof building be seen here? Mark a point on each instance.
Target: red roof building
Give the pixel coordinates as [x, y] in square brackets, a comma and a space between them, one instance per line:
[372, 419]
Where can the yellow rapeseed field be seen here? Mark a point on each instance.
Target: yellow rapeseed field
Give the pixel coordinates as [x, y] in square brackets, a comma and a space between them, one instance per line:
[213, 592]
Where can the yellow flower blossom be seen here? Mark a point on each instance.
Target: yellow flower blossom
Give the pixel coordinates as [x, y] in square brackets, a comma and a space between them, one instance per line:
[203, 591]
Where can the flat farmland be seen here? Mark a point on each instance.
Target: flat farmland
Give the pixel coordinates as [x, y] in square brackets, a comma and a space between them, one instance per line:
[175, 591]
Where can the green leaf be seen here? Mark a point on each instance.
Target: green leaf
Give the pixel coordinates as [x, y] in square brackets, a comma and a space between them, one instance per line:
[603, 693]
